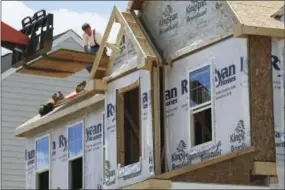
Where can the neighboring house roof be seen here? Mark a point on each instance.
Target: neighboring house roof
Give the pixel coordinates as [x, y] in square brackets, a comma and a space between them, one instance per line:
[57, 39]
[59, 35]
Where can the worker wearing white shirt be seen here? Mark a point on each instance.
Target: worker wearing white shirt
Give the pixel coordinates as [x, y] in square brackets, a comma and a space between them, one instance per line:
[91, 39]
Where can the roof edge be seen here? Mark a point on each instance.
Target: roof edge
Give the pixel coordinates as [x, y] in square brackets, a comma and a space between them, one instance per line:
[241, 30]
[280, 12]
[27, 127]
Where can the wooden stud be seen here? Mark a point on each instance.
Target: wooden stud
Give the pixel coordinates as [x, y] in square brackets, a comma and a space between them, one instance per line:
[156, 119]
[133, 125]
[264, 168]
[102, 45]
[114, 47]
[98, 85]
[147, 65]
[261, 98]
[128, 31]
[120, 128]
[153, 48]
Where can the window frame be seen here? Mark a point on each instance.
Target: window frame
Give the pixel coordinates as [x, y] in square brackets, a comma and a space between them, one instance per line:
[48, 168]
[69, 160]
[120, 120]
[201, 107]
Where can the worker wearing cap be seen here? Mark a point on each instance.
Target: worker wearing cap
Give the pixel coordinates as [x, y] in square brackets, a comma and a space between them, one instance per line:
[91, 39]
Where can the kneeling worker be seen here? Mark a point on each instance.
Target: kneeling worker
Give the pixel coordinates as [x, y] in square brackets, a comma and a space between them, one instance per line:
[91, 39]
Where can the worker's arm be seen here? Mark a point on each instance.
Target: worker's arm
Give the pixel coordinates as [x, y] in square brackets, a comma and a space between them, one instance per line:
[99, 37]
[86, 49]
[85, 43]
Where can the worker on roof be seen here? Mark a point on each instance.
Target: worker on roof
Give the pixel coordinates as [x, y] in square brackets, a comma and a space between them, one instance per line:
[91, 39]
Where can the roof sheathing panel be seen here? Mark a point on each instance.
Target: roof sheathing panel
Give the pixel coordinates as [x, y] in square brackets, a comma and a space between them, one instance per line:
[257, 13]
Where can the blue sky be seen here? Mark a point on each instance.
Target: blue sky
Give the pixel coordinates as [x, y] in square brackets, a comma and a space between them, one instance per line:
[101, 7]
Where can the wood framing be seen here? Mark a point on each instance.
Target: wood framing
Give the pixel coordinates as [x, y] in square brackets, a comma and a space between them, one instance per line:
[133, 31]
[61, 63]
[156, 120]
[261, 98]
[121, 114]
[264, 168]
[97, 85]
[241, 30]
[151, 184]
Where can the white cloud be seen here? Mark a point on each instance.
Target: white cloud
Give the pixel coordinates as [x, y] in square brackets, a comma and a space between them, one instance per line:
[14, 11]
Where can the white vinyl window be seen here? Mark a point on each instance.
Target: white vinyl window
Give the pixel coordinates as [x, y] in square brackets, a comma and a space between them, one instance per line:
[43, 162]
[201, 108]
[75, 135]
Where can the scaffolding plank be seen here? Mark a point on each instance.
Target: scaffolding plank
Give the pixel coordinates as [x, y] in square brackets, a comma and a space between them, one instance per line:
[61, 63]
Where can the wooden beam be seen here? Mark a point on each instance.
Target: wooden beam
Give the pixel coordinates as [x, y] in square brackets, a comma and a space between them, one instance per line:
[120, 129]
[102, 45]
[130, 87]
[156, 119]
[264, 168]
[113, 47]
[45, 72]
[147, 36]
[151, 184]
[98, 85]
[194, 167]
[129, 32]
[147, 64]
[133, 125]
[115, 54]
[273, 180]
[261, 98]
[241, 30]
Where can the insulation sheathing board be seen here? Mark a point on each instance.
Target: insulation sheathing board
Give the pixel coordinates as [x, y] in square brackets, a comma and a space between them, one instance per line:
[115, 176]
[178, 27]
[230, 103]
[30, 164]
[127, 58]
[92, 150]
[278, 54]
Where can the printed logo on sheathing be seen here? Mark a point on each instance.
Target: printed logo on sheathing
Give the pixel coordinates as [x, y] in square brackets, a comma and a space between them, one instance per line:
[30, 156]
[168, 24]
[238, 138]
[130, 171]
[180, 158]
[109, 174]
[226, 78]
[93, 137]
[280, 146]
[61, 144]
[212, 154]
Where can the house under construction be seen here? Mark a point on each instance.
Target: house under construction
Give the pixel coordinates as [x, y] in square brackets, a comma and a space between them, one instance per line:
[192, 94]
